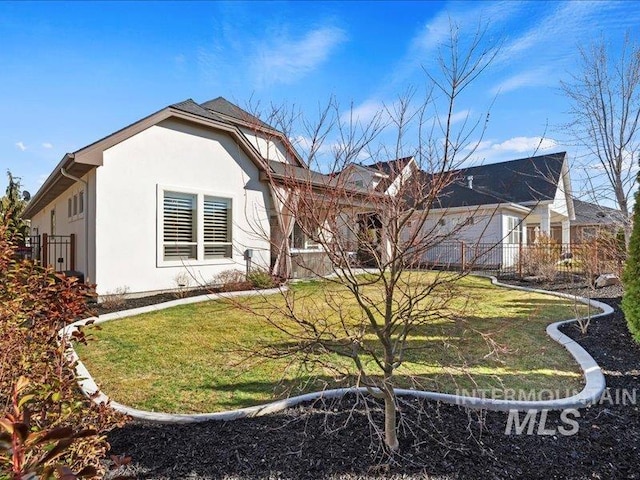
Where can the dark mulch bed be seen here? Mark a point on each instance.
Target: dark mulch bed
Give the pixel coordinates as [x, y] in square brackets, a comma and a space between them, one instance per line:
[145, 301]
[439, 441]
[129, 303]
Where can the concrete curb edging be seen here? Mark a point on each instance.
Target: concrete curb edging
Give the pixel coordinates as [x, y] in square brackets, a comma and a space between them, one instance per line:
[591, 393]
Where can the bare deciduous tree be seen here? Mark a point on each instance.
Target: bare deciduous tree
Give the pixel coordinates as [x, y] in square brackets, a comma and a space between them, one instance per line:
[386, 217]
[605, 104]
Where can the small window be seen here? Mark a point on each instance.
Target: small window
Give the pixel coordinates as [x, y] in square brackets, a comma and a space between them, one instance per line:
[299, 240]
[359, 183]
[514, 230]
[69, 209]
[442, 222]
[589, 233]
[75, 205]
[81, 202]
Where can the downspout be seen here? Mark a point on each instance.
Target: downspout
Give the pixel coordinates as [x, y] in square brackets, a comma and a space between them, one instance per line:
[86, 220]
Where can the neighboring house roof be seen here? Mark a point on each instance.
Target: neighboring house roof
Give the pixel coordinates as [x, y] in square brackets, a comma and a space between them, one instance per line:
[592, 214]
[391, 169]
[523, 181]
[290, 175]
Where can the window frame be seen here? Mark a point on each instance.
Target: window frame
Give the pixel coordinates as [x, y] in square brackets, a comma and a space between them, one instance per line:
[513, 229]
[200, 258]
[75, 205]
[297, 236]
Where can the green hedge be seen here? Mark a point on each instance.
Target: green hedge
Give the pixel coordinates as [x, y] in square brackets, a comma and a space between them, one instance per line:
[631, 277]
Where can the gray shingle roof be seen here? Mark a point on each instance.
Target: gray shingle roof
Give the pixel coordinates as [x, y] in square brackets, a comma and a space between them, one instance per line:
[592, 214]
[522, 181]
[190, 106]
[225, 107]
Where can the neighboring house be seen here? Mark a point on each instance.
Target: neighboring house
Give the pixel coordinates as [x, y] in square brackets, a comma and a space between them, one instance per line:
[501, 204]
[176, 195]
[592, 219]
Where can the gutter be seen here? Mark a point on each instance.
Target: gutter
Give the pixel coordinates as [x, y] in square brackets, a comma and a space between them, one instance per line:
[48, 183]
[64, 173]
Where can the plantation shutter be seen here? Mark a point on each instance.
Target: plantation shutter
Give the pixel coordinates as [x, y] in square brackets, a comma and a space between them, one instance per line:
[179, 224]
[217, 228]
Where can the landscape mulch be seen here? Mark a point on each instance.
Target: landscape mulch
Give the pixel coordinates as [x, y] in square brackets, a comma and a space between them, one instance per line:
[335, 440]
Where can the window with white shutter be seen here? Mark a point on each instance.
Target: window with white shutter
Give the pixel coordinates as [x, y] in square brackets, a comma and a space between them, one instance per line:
[217, 227]
[179, 226]
[193, 226]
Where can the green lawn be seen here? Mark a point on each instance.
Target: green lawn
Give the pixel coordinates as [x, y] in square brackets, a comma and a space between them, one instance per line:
[193, 358]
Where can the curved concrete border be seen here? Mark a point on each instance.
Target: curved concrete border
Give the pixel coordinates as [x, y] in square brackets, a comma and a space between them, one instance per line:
[591, 393]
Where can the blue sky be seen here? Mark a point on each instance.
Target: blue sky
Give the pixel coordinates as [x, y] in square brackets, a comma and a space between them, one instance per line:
[75, 72]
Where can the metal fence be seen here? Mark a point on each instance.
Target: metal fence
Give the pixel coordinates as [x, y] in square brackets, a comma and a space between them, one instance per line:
[524, 260]
[57, 251]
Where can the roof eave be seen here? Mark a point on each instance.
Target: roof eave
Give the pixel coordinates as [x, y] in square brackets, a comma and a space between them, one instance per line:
[56, 184]
[92, 155]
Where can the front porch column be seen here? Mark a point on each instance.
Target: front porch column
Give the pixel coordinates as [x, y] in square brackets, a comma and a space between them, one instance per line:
[385, 245]
[545, 221]
[566, 232]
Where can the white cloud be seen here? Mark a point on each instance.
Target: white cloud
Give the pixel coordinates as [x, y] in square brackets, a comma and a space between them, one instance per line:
[303, 144]
[532, 78]
[524, 145]
[422, 50]
[21, 146]
[365, 112]
[284, 60]
[41, 178]
[47, 145]
[457, 117]
[516, 147]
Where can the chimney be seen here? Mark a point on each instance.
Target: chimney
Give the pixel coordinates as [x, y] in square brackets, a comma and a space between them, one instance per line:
[470, 182]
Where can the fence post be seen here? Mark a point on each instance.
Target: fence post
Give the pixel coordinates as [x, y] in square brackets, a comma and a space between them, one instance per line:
[462, 256]
[45, 250]
[520, 259]
[72, 253]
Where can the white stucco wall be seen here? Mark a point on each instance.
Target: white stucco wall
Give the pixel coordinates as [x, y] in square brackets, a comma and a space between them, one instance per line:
[269, 148]
[559, 204]
[65, 225]
[185, 158]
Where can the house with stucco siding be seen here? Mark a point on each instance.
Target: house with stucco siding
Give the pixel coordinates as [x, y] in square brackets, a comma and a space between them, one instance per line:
[176, 193]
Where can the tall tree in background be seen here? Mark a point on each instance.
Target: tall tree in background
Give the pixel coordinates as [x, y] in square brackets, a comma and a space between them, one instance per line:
[605, 104]
[11, 207]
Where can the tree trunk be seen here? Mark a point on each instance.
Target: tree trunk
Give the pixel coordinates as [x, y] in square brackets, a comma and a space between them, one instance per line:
[390, 427]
